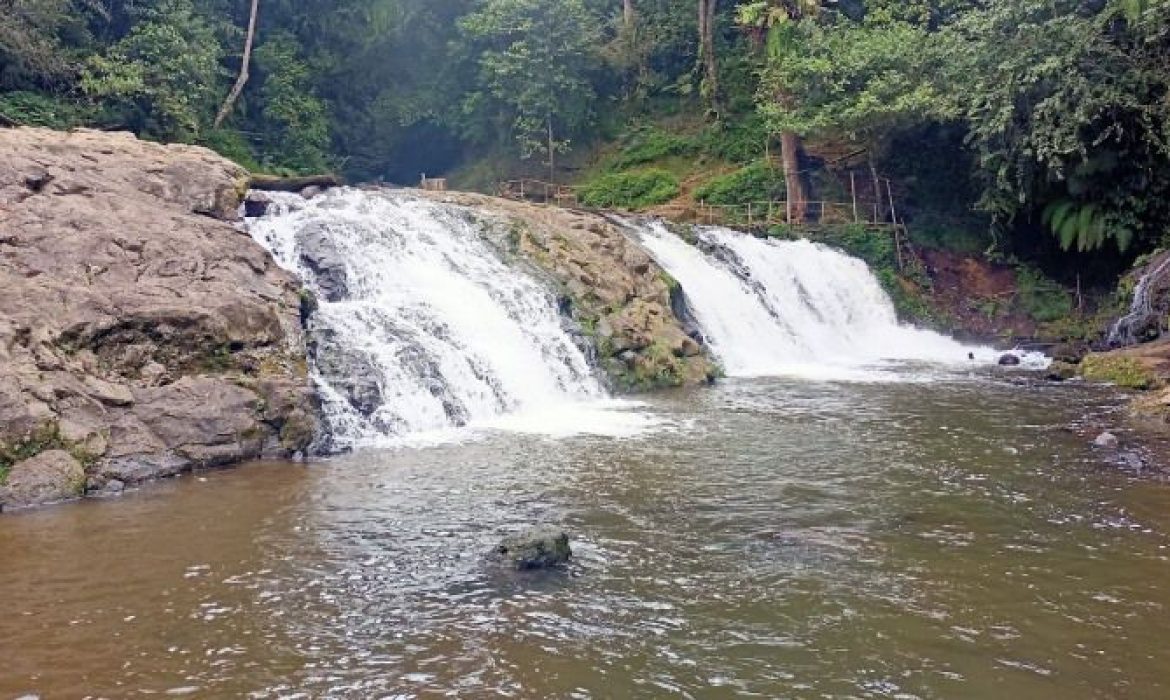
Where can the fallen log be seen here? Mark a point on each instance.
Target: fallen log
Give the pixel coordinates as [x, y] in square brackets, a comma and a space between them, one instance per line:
[275, 183]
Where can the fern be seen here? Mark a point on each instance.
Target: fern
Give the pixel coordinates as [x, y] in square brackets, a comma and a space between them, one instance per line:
[1085, 227]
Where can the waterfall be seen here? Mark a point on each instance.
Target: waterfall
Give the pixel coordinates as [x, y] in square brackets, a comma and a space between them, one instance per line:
[791, 308]
[1143, 317]
[420, 326]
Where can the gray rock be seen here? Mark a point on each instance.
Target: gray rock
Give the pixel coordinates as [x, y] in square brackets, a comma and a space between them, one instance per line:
[49, 477]
[1009, 360]
[1106, 441]
[538, 548]
[1060, 371]
[135, 318]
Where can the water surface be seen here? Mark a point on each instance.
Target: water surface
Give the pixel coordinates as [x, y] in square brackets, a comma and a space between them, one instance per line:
[945, 539]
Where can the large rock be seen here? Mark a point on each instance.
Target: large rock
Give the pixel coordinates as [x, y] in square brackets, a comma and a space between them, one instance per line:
[612, 289]
[48, 477]
[139, 329]
[538, 548]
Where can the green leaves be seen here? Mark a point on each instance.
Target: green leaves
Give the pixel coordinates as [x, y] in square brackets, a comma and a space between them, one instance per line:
[1085, 227]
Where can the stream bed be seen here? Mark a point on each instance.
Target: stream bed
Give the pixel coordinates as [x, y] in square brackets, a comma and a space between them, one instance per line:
[941, 536]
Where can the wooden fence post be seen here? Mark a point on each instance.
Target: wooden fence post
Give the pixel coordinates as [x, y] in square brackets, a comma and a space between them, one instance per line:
[893, 211]
[853, 191]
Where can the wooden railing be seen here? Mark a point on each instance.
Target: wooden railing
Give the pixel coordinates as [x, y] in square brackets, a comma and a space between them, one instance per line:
[529, 190]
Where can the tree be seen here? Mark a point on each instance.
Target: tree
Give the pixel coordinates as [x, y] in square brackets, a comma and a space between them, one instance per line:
[162, 77]
[776, 26]
[533, 62]
[709, 83]
[242, 79]
[1066, 107]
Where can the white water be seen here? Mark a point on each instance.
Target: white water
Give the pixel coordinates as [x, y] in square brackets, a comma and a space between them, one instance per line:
[430, 330]
[793, 308]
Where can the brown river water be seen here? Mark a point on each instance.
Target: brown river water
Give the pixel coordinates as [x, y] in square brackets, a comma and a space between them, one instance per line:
[950, 539]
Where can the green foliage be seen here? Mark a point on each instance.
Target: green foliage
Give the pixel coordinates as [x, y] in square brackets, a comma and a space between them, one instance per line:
[1084, 226]
[297, 120]
[1040, 297]
[42, 109]
[231, 144]
[533, 66]
[741, 141]
[630, 190]
[649, 144]
[163, 77]
[758, 182]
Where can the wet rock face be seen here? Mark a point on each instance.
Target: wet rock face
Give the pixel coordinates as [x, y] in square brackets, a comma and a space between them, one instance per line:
[631, 312]
[141, 334]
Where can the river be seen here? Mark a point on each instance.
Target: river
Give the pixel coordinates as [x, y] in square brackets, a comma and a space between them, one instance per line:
[940, 536]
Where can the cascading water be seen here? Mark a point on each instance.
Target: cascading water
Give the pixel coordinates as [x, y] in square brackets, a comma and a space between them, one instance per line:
[1143, 320]
[420, 326]
[791, 308]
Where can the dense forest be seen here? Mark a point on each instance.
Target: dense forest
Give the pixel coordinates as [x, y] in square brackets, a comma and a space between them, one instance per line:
[1032, 128]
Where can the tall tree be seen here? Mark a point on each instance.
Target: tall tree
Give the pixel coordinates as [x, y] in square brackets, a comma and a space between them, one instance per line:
[534, 62]
[242, 78]
[709, 62]
[775, 25]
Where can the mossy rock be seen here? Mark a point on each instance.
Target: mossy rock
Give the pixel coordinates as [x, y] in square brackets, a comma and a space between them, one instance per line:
[1120, 370]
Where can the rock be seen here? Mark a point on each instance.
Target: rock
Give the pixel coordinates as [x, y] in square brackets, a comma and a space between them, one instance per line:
[538, 548]
[135, 317]
[1069, 353]
[1009, 360]
[311, 191]
[1061, 371]
[618, 295]
[49, 477]
[256, 204]
[1106, 441]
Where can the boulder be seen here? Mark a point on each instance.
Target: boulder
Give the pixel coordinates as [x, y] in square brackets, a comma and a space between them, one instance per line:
[256, 204]
[49, 477]
[633, 311]
[136, 321]
[1009, 360]
[538, 548]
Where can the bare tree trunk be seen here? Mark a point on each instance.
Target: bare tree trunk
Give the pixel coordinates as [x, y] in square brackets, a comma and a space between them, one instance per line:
[710, 83]
[797, 199]
[242, 80]
[628, 12]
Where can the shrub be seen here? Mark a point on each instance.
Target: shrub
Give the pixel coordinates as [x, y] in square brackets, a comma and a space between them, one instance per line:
[1040, 297]
[38, 109]
[650, 144]
[758, 182]
[632, 190]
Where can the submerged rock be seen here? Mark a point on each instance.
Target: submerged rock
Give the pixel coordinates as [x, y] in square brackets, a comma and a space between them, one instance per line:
[1009, 360]
[1106, 441]
[538, 548]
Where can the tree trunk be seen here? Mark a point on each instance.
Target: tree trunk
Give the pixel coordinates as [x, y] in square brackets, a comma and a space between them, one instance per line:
[628, 12]
[242, 80]
[797, 199]
[709, 88]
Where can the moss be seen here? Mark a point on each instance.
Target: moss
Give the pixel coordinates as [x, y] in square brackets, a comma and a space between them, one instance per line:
[43, 438]
[1125, 372]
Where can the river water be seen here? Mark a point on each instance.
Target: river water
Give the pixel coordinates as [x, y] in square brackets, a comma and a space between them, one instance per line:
[937, 537]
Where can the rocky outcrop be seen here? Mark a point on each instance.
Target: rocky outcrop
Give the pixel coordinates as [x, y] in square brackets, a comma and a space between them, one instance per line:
[141, 334]
[614, 292]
